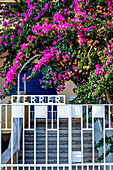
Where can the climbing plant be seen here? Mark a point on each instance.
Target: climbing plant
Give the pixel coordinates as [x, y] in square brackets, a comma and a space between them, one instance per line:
[100, 144]
[74, 39]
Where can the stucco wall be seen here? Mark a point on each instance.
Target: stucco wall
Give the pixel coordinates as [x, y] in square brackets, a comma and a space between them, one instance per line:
[69, 89]
[7, 1]
[2, 81]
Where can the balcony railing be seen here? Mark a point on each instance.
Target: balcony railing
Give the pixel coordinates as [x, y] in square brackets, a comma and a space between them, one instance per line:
[56, 135]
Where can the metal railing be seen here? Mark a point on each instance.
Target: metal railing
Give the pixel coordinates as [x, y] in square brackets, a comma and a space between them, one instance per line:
[87, 116]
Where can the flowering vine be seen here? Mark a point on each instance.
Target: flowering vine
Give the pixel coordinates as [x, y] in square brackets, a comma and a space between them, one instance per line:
[74, 39]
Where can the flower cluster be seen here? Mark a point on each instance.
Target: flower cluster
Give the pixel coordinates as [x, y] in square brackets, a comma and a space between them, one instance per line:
[12, 73]
[73, 38]
[111, 125]
[109, 58]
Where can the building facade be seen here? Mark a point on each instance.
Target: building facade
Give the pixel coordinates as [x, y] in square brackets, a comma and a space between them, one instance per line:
[40, 130]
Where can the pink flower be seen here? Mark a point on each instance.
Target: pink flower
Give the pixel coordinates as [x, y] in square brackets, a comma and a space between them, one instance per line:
[105, 15]
[54, 43]
[23, 79]
[58, 18]
[5, 23]
[107, 72]
[93, 16]
[77, 77]
[24, 46]
[19, 31]
[74, 67]
[27, 78]
[105, 52]
[105, 65]
[5, 44]
[108, 62]
[86, 3]
[111, 125]
[110, 58]
[91, 9]
[82, 82]
[98, 98]
[107, 45]
[42, 87]
[94, 89]
[97, 66]
[14, 83]
[22, 24]
[100, 71]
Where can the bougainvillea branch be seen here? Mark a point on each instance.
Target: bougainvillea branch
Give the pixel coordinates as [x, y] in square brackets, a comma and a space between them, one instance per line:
[74, 39]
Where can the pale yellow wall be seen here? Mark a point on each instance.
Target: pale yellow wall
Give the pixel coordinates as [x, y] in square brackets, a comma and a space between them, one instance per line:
[69, 89]
[7, 1]
[2, 81]
[8, 116]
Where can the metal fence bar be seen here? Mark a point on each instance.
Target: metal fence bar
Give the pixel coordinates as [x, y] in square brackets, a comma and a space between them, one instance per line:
[58, 136]
[18, 135]
[54, 165]
[3, 129]
[52, 117]
[93, 167]
[93, 164]
[23, 133]
[82, 133]
[109, 117]
[29, 117]
[11, 139]
[18, 87]
[93, 139]
[87, 115]
[69, 165]
[34, 139]
[104, 167]
[82, 167]
[0, 131]
[25, 85]
[104, 136]
[46, 134]
[25, 129]
[88, 129]
[69, 138]
[78, 167]
[17, 104]
[6, 117]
